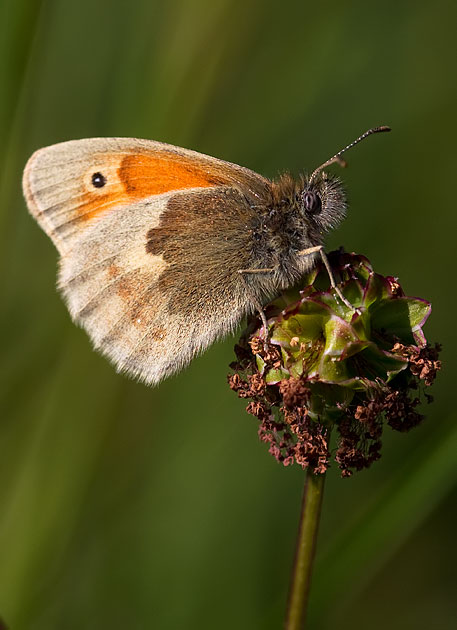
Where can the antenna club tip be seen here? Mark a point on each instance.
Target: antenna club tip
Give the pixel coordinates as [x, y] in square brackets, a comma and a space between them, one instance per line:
[384, 128]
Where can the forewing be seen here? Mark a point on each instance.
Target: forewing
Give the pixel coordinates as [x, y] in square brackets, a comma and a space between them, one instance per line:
[59, 180]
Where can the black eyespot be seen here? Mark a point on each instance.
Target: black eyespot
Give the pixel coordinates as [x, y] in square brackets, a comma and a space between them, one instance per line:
[312, 201]
[98, 180]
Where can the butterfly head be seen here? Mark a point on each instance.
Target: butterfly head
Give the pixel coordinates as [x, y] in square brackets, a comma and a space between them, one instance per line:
[323, 200]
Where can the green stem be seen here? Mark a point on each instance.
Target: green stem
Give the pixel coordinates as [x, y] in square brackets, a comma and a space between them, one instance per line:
[304, 553]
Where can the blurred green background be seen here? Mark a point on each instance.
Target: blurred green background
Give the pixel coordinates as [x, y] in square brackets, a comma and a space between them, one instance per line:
[129, 507]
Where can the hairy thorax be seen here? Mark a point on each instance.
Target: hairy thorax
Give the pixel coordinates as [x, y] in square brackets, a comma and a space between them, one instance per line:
[281, 231]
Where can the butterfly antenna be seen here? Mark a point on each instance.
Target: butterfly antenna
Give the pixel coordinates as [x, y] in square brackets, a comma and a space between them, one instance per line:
[337, 156]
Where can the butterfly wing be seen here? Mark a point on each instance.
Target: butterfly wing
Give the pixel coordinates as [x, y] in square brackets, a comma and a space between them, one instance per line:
[149, 259]
[70, 184]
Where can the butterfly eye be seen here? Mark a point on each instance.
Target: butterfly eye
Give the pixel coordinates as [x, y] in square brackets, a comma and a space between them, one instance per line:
[98, 180]
[312, 202]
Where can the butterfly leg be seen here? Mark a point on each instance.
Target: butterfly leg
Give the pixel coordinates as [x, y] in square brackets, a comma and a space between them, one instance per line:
[319, 249]
[243, 273]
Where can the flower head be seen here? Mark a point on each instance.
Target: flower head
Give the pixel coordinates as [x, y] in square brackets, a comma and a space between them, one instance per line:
[326, 365]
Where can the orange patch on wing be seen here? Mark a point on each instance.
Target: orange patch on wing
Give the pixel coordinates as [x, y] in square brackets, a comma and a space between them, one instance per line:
[140, 176]
[145, 175]
[91, 204]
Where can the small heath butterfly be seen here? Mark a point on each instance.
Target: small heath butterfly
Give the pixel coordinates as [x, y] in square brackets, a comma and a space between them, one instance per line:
[163, 250]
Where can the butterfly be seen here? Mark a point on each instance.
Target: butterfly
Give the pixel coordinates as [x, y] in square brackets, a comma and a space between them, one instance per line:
[163, 250]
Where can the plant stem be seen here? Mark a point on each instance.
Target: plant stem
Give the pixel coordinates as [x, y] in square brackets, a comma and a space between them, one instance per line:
[304, 552]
